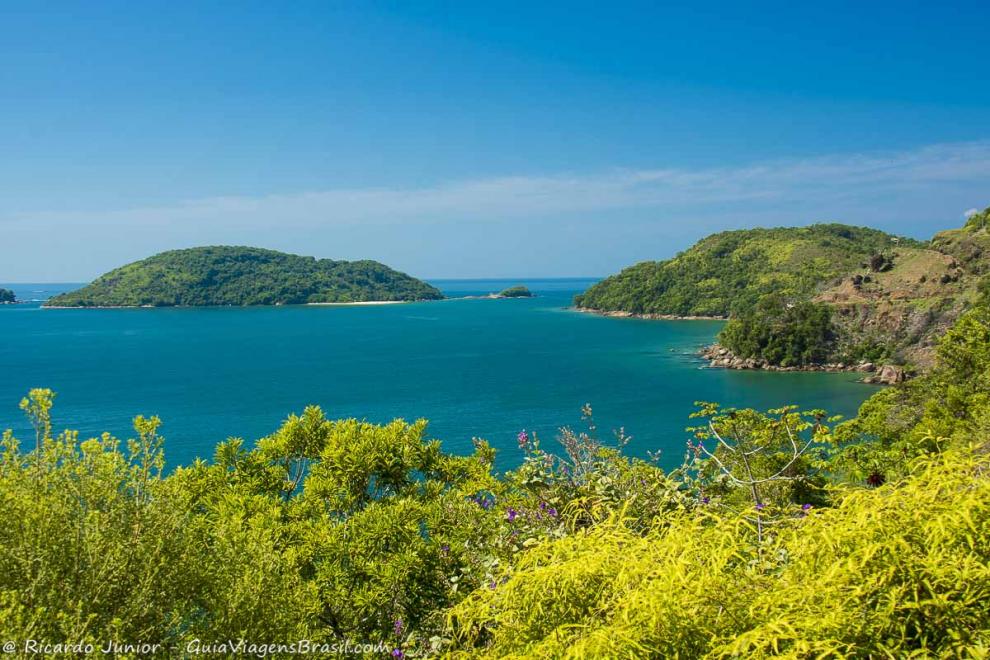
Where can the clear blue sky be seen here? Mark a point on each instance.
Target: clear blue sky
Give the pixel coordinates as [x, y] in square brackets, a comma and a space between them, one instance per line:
[478, 139]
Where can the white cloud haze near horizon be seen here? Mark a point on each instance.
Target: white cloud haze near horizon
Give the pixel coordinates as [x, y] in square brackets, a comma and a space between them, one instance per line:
[565, 224]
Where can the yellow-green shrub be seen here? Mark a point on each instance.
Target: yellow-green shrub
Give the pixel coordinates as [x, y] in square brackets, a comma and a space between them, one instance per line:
[900, 569]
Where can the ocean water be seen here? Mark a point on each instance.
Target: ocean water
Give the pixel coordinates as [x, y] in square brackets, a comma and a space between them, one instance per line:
[473, 367]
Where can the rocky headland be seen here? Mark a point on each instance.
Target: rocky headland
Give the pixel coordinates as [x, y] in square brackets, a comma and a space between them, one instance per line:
[720, 357]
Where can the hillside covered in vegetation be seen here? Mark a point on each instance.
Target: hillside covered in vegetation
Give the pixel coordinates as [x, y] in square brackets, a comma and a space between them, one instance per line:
[7, 296]
[785, 533]
[728, 272]
[223, 275]
[858, 295]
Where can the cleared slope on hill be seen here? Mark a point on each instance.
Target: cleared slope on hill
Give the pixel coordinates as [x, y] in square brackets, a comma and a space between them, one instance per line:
[908, 305]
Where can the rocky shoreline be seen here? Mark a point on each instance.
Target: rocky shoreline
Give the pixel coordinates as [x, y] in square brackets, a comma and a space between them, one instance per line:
[651, 317]
[720, 357]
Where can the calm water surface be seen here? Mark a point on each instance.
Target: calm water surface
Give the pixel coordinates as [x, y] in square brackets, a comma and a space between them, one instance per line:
[474, 368]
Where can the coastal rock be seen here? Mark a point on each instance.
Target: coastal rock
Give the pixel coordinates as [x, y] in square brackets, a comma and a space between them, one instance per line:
[891, 375]
[888, 374]
[651, 317]
[722, 358]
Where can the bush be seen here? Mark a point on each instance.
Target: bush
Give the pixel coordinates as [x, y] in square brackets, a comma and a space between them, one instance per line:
[870, 578]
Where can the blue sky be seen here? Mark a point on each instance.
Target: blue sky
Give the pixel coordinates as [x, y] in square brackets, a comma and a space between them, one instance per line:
[478, 139]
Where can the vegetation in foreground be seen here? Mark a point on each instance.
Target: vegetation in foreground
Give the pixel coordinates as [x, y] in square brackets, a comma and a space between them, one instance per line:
[224, 275]
[783, 534]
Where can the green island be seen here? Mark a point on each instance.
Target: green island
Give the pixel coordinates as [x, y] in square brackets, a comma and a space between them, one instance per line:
[7, 296]
[518, 291]
[820, 296]
[784, 533]
[241, 276]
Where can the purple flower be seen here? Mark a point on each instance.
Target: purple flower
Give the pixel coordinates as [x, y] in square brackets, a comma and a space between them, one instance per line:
[523, 439]
[543, 506]
[397, 627]
[492, 585]
[397, 653]
[482, 501]
[806, 507]
[705, 500]
[444, 548]
[511, 514]
[552, 512]
[761, 506]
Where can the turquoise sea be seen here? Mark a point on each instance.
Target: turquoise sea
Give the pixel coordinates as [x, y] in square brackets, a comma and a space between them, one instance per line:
[474, 368]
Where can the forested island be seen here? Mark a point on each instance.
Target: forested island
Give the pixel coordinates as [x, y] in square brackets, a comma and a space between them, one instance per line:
[824, 295]
[242, 276]
[518, 291]
[7, 296]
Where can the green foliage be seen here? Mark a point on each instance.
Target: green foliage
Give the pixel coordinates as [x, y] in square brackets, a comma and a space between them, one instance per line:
[979, 221]
[762, 463]
[518, 291]
[327, 530]
[970, 244]
[868, 348]
[951, 403]
[895, 572]
[7, 296]
[782, 333]
[729, 272]
[244, 276]
[94, 543]
[983, 291]
[591, 480]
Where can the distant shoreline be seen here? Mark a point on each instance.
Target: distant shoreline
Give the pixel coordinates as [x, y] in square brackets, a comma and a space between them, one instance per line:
[362, 302]
[650, 317]
[316, 304]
